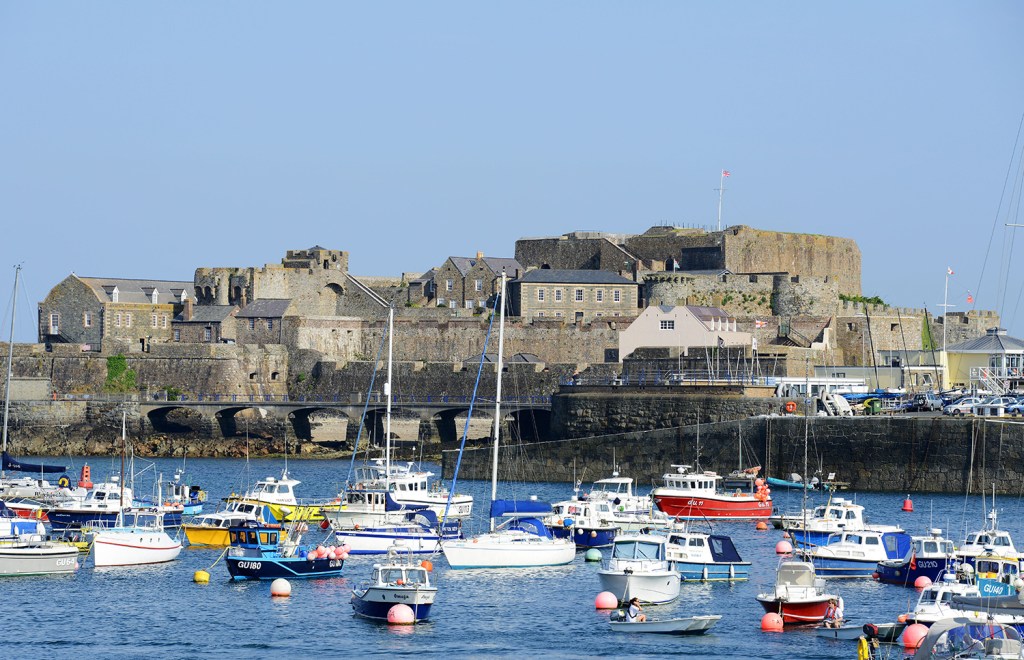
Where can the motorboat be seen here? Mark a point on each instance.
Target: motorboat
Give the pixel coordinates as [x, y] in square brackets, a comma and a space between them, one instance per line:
[988, 540]
[363, 506]
[995, 574]
[32, 554]
[399, 579]
[138, 537]
[413, 488]
[689, 494]
[190, 496]
[689, 625]
[582, 523]
[832, 519]
[928, 556]
[264, 552]
[935, 602]
[416, 530]
[799, 595]
[279, 495]
[639, 567]
[705, 557]
[960, 637]
[211, 529]
[856, 554]
[101, 506]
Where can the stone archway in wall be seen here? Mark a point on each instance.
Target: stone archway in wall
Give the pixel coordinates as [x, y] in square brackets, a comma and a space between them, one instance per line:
[332, 300]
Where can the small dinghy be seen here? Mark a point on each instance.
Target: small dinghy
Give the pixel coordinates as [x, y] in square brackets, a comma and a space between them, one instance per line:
[849, 631]
[690, 625]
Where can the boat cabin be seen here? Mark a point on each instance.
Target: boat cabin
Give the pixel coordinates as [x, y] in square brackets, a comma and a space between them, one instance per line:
[253, 536]
[998, 540]
[399, 575]
[148, 518]
[639, 548]
[841, 512]
[276, 491]
[797, 574]
[107, 495]
[691, 547]
[929, 547]
[693, 482]
[611, 488]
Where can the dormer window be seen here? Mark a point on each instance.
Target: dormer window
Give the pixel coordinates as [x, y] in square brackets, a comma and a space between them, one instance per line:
[114, 295]
[155, 298]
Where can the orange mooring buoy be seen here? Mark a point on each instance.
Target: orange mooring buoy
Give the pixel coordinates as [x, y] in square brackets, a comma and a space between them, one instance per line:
[908, 504]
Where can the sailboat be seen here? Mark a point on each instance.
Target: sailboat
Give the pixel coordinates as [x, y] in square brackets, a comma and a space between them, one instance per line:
[521, 540]
[42, 488]
[415, 527]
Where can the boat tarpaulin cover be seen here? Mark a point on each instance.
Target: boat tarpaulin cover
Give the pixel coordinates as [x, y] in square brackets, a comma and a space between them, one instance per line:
[501, 508]
[18, 466]
[722, 549]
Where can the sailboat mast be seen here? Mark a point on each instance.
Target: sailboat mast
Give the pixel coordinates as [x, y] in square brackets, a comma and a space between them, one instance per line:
[123, 441]
[387, 410]
[10, 359]
[497, 396]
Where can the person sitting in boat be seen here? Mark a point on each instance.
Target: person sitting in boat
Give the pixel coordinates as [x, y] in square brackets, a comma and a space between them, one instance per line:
[634, 613]
[833, 617]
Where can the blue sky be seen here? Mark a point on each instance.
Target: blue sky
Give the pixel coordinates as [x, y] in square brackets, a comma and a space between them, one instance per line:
[146, 139]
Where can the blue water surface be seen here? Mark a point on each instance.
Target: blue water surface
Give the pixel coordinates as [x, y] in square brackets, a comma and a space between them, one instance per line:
[157, 611]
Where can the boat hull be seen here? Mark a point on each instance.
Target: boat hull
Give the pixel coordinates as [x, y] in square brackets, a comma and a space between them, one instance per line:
[515, 553]
[271, 568]
[376, 602]
[62, 519]
[377, 541]
[796, 611]
[902, 574]
[709, 572]
[656, 588]
[694, 625]
[131, 549]
[689, 507]
[843, 568]
[210, 537]
[37, 560]
[591, 537]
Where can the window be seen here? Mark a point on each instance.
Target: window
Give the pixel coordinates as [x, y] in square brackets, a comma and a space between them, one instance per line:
[668, 325]
[599, 295]
[270, 324]
[616, 295]
[451, 304]
[540, 295]
[117, 320]
[469, 304]
[449, 285]
[478, 285]
[128, 320]
[252, 324]
[558, 295]
[579, 295]
[54, 324]
[152, 320]
[114, 295]
[163, 320]
[540, 315]
[177, 335]
[850, 327]
[558, 315]
[893, 327]
[441, 302]
[207, 333]
[87, 320]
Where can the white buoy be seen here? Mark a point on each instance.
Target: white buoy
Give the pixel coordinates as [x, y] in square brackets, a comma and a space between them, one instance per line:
[281, 587]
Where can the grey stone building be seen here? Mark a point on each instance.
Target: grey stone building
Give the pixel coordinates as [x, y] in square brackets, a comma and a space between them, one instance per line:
[261, 321]
[573, 295]
[467, 283]
[205, 324]
[97, 311]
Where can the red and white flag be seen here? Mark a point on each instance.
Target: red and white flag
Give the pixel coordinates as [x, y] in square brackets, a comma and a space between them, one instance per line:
[949, 270]
[725, 173]
[758, 323]
[970, 298]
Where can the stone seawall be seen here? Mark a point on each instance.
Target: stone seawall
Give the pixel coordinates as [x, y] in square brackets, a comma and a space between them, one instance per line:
[909, 454]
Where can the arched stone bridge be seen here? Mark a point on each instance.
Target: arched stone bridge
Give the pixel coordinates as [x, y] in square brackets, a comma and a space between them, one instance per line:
[528, 417]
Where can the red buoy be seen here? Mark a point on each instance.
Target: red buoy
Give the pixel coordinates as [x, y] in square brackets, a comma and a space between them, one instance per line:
[908, 504]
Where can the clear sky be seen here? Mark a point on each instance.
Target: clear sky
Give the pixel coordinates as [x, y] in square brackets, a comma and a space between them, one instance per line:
[144, 139]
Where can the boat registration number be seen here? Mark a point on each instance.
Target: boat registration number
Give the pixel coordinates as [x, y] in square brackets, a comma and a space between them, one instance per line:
[66, 561]
[254, 565]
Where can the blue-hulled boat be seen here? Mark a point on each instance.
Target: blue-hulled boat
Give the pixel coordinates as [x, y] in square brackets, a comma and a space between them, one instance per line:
[929, 556]
[706, 557]
[398, 580]
[838, 516]
[261, 552]
[856, 554]
[995, 574]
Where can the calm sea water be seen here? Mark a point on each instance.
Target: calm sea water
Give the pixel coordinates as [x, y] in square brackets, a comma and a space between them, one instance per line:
[158, 611]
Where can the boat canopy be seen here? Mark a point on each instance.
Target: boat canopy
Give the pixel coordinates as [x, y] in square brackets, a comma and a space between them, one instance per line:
[530, 525]
[516, 508]
[638, 549]
[800, 574]
[722, 549]
[961, 633]
[10, 463]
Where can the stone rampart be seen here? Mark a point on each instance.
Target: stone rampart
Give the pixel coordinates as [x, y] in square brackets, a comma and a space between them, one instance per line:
[904, 455]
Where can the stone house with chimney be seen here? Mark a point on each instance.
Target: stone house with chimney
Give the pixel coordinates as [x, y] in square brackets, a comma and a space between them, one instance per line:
[205, 324]
[468, 282]
[97, 311]
[573, 295]
[261, 321]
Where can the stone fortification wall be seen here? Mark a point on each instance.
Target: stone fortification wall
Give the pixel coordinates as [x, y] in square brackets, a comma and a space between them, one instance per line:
[572, 252]
[963, 325]
[801, 295]
[892, 329]
[904, 455]
[746, 295]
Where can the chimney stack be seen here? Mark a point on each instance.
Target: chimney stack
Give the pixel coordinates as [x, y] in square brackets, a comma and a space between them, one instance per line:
[186, 313]
[479, 255]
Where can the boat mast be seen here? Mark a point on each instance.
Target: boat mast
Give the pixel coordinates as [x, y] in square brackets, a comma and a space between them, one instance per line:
[10, 361]
[497, 396]
[124, 416]
[387, 394]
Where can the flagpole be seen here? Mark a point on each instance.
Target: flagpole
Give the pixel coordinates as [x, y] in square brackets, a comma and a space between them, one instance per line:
[945, 312]
[721, 191]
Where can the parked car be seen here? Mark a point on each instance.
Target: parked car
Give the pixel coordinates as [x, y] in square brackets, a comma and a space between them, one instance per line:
[1016, 409]
[963, 406]
[926, 401]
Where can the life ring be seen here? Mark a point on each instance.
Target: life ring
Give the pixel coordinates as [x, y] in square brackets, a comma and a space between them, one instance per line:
[64, 481]
[791, 406]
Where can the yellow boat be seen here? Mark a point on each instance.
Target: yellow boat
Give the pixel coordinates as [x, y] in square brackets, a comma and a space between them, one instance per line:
[211, 529]
[278, 496]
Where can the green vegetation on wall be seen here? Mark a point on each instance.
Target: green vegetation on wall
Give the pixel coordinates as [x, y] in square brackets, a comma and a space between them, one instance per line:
[927, 341]
[119, 377]
[873, 300]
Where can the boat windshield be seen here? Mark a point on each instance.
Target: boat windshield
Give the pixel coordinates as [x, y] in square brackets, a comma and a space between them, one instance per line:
[637, 550]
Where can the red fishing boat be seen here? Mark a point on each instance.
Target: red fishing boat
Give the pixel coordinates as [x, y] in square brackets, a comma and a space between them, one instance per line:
[799, 596]
[696, 495]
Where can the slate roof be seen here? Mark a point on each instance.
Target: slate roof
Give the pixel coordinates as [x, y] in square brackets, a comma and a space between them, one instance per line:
[207, 314]
[496, 264]
[995, 341]
[558, 276]
[265, 308]
[137, 291]
[708, 313]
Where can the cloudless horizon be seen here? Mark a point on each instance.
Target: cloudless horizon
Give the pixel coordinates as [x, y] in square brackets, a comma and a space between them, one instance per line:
[144, 140]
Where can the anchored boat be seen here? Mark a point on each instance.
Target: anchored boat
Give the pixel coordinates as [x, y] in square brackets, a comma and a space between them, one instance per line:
[397, 580]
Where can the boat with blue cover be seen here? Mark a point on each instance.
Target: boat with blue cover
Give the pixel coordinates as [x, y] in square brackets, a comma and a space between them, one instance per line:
[929, 556]
[261, 552]
[705, 557]
[397, 580]
[856, 554]
[521, 540]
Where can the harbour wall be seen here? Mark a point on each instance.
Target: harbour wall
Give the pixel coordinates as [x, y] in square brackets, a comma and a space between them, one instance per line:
[896, 454]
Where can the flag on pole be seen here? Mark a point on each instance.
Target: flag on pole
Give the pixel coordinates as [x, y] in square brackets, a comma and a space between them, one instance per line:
[970, 298]
[758, 323]
[725, 173]
[949, 270]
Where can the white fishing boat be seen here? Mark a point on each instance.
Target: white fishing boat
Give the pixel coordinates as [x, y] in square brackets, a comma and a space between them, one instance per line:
[400, 579]
[690, 625]
[639, 568]
[521, 540]
[989, 540]
[277, 493]
[24, 549]
[137, 538]
[413, 488]
[830, 520]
